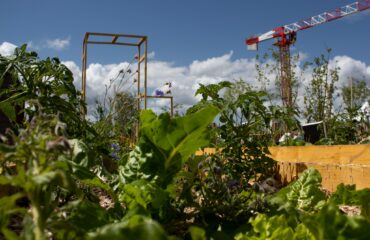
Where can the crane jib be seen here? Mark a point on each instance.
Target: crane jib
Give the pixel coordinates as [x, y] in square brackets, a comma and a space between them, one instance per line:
[311, 22]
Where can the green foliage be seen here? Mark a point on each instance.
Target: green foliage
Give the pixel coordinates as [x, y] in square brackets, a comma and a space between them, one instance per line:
[137, 227]
[303, 194]
[244, 128]
[347, 127]
[56, 163]
[45, 174]
[300, 211]
[197, 233]
[8, 207]
[275, 227]
[215, 198]
[347, 194]
[45, 85]
[117, 118]
[167, 143]
[268, 65]
[126, 114]
[329, 223]
[319, 95]
[143, 195]
[356, 93]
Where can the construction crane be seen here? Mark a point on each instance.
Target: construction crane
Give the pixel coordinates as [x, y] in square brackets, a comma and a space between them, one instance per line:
[286, 36]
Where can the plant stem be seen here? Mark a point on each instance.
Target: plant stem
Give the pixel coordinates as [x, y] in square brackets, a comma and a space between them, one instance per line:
[39, 223]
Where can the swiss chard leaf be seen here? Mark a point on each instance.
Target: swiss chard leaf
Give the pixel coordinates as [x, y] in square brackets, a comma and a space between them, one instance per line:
[166, 143]
[330, 223]
[303, 194]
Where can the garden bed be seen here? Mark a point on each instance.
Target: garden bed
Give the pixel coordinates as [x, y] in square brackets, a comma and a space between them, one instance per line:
[348, 164]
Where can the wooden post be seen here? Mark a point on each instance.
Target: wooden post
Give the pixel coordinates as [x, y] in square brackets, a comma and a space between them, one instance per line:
[138, 78]
[145, 72]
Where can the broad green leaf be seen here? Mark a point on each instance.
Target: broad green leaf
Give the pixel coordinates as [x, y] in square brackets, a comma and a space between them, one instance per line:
[137, 227]
[173, 140]
[304, 194]
[81, 153]
[84, 216]
[143, 193]
[330, 223]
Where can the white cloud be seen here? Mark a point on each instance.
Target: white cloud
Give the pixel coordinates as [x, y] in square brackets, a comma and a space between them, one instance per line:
[7, 49]
[58, 44]
[349, 69]
[151, 55]
[186, 79]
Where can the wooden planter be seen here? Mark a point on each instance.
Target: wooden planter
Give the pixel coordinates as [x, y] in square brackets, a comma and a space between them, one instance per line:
[348, 164]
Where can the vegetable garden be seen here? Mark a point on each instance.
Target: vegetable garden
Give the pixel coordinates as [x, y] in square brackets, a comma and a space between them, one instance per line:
[64, 177]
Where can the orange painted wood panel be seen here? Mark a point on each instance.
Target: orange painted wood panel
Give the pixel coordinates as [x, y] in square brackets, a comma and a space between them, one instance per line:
[348, 164]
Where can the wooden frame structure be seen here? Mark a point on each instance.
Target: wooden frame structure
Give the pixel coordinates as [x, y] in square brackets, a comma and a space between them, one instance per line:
[121, 40]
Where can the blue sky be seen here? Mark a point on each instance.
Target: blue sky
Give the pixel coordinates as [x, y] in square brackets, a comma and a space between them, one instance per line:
[181, 31]
[192, 41]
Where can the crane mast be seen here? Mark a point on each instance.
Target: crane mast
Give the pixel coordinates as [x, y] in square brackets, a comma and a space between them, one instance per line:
[286, 36]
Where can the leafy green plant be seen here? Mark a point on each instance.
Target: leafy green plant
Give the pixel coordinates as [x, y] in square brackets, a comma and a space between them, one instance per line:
[159, 190]
[211, 196]
[136, 227]
[301, 211]
[347, 194]
[330, 223]
[275, 227]
[244, 128]
[303, 194]
[356, 93]
[43, 166]
[165, 145]
[41, 85]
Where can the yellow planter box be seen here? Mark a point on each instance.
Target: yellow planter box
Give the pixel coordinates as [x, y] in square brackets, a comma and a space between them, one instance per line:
[348, 164]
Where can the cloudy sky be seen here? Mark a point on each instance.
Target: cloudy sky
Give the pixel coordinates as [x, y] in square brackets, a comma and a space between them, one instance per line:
[190, 42]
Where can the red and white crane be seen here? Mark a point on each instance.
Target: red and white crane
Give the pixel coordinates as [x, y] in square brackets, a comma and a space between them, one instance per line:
[286, 35]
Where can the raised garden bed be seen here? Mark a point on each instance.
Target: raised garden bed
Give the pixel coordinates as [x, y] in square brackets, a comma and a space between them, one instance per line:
[348, 164]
